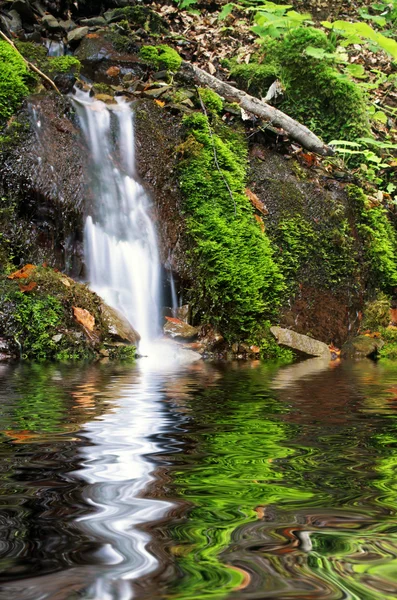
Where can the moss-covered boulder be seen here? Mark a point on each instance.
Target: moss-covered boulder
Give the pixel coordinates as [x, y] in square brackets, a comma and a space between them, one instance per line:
[46, 315]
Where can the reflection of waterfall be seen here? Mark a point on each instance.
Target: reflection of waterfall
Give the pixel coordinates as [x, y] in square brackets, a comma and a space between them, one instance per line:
[118, 470]
[120, 239]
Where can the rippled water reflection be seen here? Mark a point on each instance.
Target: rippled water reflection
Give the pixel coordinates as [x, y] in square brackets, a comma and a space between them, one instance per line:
[208, 481]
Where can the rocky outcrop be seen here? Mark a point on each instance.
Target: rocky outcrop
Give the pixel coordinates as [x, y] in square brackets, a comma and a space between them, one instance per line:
[177, 329]
[362, 346]
[118, 328]
[300, 343]
[42, 176]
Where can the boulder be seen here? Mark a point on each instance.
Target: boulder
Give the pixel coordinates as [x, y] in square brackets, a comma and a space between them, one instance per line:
[15, 22]
[300, 343]
[67, 25]
[118, 327]
[183, 313]
[50, 23]
[175, 328]
[362, 346]
[76, 35]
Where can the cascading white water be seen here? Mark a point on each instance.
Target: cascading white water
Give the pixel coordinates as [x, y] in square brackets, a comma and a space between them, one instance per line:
[120, 239]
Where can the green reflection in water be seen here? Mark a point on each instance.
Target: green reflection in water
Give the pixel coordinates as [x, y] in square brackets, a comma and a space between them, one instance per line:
[322, 452]
[230, 478]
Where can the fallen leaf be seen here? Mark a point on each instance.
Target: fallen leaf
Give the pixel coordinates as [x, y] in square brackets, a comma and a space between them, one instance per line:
[211, 68]
[393, 316]
[28, 288]
[113, 71]
[22, 273]
[84, 318]
[160, 103]
[65, 281]
[256, 203]
[255, 349]
[92, 36]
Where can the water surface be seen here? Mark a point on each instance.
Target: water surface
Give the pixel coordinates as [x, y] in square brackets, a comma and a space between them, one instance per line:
[241, 480]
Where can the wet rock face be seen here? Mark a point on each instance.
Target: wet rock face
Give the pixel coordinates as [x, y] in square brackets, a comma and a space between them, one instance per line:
[158, 134]
[43, 172]
[327, 309]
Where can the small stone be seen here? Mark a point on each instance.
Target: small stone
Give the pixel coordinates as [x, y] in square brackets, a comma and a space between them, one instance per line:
[301, 343]
[156, 92]
[15, 24]
[161, 75]
[235, 348]
[93, 22]
[76, 35]
[105, 98]
[57, 338]
[67, 25]
[50, 23]
[176, 328]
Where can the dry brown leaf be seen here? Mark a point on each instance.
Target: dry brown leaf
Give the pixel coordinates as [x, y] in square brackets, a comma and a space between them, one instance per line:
[256, 203]
[211, 68]
[22, 273]
[27, 288]
[65, 281]
[160, 103]
[84, 318]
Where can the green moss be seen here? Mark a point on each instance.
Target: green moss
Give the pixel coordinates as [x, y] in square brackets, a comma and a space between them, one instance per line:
[14, 78]
[64, 64]
[378, 238]
[123, 352]
[31, 51]
[376, 313]
[255, 78]
[140, 16]
[329, 103]
[121, 43]
[237, 284]
[161, 57]
[389, 350]
[269, 348]
[312, 253]
[211, 100]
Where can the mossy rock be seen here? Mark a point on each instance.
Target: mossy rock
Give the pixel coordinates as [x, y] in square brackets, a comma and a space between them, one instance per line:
[138, 16]
[161, 57]
[39, 316]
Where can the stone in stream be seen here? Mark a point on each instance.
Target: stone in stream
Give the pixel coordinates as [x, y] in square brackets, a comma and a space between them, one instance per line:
[300, 343]
[175, 328]
[51, 23]
[76, 35]
[362, 346]
[118, 326]
[93, 22]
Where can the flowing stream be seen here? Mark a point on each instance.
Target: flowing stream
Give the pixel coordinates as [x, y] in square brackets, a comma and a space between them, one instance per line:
[120, 238]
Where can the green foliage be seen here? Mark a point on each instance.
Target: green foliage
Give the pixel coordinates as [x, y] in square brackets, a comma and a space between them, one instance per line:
[37, 320]
[379, 240]
[237, 283]
[64, 64]
[211, 100]
[315, 253]
[161, 57]
[123, 353]
[389, 350]
[270, 349]
[14, 77]
[32, 52]
[355, 33]
[376, 313]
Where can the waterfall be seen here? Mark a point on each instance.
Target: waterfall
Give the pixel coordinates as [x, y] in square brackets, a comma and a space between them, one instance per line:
[174, 295]
[120, 239]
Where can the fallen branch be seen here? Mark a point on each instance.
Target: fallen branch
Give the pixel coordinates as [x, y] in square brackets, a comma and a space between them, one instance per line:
[31, 65]
[294, 129]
